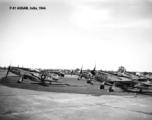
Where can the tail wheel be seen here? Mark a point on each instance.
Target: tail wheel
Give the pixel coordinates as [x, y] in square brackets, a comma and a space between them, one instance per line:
[102, 86]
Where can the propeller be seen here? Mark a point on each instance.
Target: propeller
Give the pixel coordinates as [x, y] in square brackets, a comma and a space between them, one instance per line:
[81, 69]
[9, 67]
[94, 70]
[71, 72]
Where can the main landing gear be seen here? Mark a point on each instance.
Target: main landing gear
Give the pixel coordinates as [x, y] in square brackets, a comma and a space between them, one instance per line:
[110, 88]
[102, 86]
[46, 83]
[140, 90]
[20, 80]
[89, 82]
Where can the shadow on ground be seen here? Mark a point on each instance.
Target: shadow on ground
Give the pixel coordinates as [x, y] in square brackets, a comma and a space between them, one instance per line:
[67, 85]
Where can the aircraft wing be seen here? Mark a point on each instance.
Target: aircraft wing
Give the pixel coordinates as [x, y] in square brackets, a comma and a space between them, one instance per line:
[110, 77]
[57, 72]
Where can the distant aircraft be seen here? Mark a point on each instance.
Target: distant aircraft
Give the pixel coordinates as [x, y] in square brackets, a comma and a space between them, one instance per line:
[89, 75]
[122, 79]
[148, 76]
[45, 77]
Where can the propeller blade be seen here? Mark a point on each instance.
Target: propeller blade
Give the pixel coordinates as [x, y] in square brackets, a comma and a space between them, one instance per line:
[8, 70]
[94, 70]
[81, 69]
[71, 72]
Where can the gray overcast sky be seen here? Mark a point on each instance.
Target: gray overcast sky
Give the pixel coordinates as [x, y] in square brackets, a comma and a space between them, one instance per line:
[70, 33]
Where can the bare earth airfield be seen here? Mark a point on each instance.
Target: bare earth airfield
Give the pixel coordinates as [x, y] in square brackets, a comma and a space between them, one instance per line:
[69, 99]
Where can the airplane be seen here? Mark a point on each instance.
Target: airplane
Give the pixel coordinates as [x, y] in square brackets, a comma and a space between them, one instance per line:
[135, 76]
[144, 85]
[43, 76]
[87, 75]
[147, 76]
[93, 75]
[122, 79]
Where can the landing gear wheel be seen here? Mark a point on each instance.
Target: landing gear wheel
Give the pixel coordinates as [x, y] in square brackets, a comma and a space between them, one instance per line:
[88, 81]
[46, 83]
[111, 89]
[101, 86]
[140, 90]
[78, 78]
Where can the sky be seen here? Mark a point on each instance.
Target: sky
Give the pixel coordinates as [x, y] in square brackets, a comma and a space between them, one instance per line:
[72, 33]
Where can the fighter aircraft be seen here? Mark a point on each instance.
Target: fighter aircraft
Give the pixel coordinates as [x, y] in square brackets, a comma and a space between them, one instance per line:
[122, 79]
[87, 75]
[147, 76]
[45, 77]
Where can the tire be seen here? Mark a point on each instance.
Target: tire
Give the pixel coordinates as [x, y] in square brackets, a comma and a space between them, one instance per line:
[111, 90]
[102, 86]
[46, 83]
[88, 81]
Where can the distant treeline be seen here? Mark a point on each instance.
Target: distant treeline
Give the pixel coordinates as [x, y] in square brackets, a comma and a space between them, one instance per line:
[3, 68]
